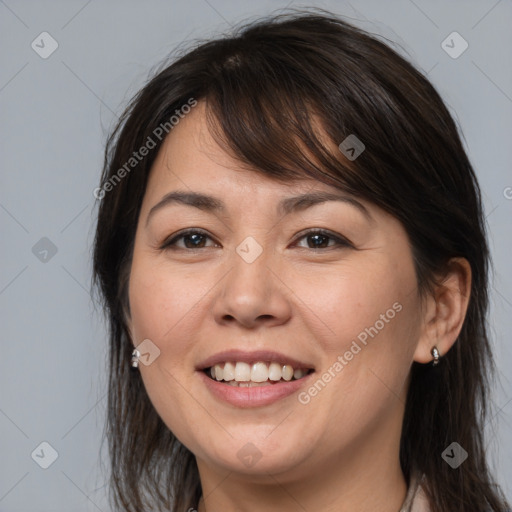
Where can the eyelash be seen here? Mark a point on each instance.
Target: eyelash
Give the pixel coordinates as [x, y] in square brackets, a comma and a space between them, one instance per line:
[170, 243]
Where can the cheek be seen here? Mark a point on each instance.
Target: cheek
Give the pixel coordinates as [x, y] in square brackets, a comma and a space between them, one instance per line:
[377, 328]
[373, 297]
[369, 314]
[163, 306]
[163, 301]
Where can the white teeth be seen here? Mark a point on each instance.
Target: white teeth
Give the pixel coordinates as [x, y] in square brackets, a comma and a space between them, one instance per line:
[242, 372]
[259, 373]
[229, 372]
[274, 371]
[287, 371]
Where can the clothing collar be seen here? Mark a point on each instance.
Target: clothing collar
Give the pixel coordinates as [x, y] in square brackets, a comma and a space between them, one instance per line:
[415, 499]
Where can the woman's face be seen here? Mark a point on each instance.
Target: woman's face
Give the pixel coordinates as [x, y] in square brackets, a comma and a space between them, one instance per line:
[258, 289]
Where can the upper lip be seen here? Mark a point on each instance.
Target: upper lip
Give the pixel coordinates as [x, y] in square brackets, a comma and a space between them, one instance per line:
[251, 358]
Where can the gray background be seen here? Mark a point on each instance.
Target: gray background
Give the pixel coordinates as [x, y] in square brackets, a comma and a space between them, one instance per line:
[55, 115]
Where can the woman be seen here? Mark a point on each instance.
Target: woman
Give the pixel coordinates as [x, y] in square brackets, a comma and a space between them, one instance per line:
[292, 255]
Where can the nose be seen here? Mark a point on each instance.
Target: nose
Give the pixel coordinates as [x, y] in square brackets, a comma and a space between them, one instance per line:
[253, 294]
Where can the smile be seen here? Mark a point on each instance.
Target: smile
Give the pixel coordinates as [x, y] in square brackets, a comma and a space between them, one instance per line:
[238, 386]
[261, 373]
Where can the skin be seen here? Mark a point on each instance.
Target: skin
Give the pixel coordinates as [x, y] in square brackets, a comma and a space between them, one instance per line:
[340, 451]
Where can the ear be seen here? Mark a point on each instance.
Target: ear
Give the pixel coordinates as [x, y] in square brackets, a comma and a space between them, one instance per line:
[444, 311]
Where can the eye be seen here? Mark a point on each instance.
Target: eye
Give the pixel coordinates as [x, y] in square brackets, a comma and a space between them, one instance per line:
[193, 239]
[196, 238]
[320, 239]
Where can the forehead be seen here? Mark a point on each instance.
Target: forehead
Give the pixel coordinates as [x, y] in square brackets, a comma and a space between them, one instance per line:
[191, 156]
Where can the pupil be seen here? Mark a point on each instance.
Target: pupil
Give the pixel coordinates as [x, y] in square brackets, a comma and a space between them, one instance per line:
[317, 237]
[195, 236]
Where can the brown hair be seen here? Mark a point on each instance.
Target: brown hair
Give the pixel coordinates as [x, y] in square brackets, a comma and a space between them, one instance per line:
[264, 86]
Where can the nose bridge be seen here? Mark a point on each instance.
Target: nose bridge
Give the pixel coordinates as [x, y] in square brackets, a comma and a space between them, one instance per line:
[251, 292]
[249, 276]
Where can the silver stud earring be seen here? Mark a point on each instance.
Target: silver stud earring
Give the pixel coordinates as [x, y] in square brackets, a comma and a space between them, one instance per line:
[436, 355]
[135, 358]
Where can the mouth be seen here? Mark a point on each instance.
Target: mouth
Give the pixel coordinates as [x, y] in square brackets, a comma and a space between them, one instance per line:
[253, 379]
[261, 373]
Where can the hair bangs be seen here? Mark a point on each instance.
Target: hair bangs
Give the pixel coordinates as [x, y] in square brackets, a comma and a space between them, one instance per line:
[274, 126]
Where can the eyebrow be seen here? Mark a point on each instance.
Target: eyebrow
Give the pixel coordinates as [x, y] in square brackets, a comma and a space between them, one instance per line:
[285, 206]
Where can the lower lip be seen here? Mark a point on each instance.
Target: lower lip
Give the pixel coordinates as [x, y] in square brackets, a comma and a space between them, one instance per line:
[257, 396]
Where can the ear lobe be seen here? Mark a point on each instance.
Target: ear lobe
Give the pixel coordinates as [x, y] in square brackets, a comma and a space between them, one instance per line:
[445, 311]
